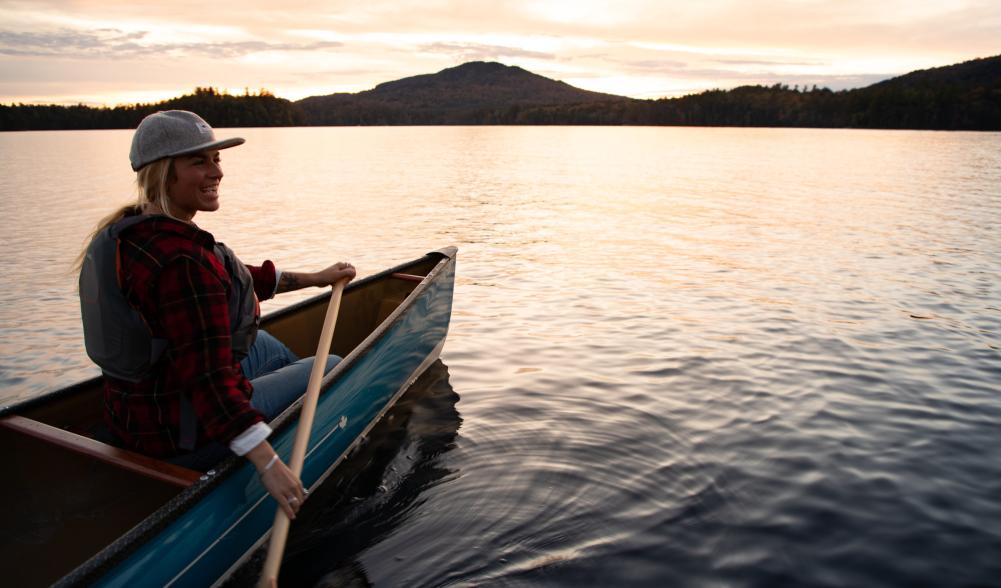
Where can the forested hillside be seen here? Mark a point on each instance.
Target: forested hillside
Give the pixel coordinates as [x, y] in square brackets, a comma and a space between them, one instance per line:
[965, 96]
[260, 109]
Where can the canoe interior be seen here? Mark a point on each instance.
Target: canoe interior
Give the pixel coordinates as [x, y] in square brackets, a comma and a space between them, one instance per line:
[62, 504]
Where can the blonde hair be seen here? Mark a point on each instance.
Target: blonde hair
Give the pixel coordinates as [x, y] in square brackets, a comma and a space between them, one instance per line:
[151, 189]
[151, 185]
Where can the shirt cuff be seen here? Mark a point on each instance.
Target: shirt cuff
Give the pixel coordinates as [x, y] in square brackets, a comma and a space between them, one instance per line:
[250, 438]
[278, 278]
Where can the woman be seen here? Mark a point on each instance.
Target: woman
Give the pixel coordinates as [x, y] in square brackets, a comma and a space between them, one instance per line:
[171, 316]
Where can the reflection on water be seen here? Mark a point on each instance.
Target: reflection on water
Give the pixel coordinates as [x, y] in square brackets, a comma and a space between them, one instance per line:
[742, 357]
[374, 491]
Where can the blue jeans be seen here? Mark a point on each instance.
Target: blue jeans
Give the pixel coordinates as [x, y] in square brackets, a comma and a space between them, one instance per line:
[279, 378]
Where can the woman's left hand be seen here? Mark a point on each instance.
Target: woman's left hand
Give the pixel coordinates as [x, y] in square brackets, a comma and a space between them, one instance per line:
[336, 273]
[327, 277]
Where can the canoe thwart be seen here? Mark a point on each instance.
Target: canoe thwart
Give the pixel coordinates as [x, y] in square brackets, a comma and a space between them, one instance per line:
[408, 277]
[122, 458]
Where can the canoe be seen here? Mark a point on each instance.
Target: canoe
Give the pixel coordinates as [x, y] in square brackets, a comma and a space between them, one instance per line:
[79, 512]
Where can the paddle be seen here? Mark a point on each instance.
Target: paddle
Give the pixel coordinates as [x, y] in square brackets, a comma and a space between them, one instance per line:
[280, 531]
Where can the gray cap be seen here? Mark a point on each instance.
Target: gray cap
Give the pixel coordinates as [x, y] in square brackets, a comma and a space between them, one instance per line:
[170, 133]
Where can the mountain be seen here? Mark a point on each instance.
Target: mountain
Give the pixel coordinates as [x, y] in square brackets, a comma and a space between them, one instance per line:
[985, 71]
[965, 96]
[472, 93]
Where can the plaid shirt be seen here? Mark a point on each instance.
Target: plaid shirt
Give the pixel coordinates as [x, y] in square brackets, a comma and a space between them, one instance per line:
[169, 272]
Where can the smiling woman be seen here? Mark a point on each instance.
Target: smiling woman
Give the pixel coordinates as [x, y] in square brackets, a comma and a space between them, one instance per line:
[196, 183]
[171, 317]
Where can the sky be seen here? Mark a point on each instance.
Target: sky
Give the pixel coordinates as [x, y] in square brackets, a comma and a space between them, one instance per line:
[110, 52]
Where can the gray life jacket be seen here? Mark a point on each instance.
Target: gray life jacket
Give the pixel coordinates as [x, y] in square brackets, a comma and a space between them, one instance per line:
[116, 335]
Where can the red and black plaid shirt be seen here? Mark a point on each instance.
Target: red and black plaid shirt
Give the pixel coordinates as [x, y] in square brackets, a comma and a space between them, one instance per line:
[168, 271]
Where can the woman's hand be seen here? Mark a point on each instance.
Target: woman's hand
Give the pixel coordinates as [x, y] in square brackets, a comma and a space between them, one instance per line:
[327, 277]
[278, 479]
[336, 273]
[284, 487]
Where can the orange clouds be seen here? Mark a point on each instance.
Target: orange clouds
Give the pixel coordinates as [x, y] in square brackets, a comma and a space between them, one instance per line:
[103, 51]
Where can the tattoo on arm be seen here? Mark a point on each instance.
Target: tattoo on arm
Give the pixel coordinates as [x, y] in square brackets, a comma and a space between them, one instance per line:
[288, 282]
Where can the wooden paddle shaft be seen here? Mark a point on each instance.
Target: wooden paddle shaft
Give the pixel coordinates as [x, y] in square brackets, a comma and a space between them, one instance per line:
[279, 534]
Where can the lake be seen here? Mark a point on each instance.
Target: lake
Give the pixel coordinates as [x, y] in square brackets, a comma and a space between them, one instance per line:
[678, 356]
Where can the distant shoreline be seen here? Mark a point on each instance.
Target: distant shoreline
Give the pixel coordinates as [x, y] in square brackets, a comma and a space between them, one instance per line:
[688, 126]
[961, 97]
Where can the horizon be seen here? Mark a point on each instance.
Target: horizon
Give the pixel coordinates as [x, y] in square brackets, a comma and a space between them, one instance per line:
[104, 53]
[261, 91]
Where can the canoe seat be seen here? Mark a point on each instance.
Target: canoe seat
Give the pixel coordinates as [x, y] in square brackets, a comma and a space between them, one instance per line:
[121, 458]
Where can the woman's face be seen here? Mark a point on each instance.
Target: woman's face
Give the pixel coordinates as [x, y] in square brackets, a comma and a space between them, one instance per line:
[196, 184]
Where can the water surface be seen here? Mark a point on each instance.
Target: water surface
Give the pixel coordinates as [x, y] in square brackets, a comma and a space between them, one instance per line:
[741, 357]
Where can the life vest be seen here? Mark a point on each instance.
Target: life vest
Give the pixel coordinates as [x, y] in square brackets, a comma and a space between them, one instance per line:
[116, 335]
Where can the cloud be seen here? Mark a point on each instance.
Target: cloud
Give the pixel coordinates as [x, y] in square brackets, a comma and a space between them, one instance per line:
[633, 47]
[480, 52]
[769, 62]
[655, 65]
[117, 44]
[63, 42]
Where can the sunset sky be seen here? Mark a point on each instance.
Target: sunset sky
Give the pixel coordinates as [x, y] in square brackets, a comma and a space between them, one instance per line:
[112, 52]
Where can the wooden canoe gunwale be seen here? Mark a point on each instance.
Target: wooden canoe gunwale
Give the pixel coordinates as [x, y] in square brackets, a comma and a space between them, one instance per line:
[121, 548]
[74, 389]
[291, 414]
[287, 419]
[47, 397]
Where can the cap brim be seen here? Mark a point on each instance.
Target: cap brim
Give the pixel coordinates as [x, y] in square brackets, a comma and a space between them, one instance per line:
[223, 144]
[217, 145]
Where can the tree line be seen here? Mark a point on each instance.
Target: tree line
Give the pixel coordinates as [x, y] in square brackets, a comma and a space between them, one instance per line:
[877, 107]
[978, 108]
[220, 109]
[896, 104]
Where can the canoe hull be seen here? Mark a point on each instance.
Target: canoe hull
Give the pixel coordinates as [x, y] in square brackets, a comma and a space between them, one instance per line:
[233, 514]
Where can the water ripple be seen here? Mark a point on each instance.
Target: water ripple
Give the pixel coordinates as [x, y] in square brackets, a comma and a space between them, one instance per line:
[681, 356]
